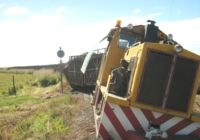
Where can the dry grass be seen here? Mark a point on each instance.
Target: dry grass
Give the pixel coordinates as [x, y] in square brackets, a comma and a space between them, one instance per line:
[45, 73]
[21, 79]
[36, 120]
[33, 109]
[62, 117]
[39, 113]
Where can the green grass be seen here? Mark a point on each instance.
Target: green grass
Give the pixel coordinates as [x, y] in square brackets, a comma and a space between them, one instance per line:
[26, 81]
[32, 115]
[14, 100]
[45, 78]
[51, 121]
[6, 80]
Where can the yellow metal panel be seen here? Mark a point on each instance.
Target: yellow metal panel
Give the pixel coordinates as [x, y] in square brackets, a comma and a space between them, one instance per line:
[196, 85]
[139, 70]
[140, 51]
[117, 100]
[112, 58]
[114, 98]
[157, 109]
[133, 52]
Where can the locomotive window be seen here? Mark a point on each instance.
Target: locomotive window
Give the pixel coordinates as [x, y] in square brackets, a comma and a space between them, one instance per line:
[128, 37]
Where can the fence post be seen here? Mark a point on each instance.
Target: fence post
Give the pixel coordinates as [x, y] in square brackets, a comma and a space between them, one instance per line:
[14, 89]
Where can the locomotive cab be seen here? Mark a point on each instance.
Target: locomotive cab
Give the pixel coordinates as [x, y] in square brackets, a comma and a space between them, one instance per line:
[146, 87]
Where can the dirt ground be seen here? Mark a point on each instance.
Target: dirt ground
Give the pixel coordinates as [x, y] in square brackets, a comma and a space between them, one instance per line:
[83, 121]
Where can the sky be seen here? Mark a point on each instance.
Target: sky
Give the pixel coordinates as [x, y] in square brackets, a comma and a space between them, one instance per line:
[31, 31]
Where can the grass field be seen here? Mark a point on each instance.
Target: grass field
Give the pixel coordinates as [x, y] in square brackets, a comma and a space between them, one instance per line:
[14, 100]
[21, 79]
[37, 111]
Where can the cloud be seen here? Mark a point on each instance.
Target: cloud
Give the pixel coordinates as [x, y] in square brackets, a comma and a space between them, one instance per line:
[136, 11]
[31, 41]
[60, 10]
[36, 39]
[186, 32]
[154, 15]
[14, 11]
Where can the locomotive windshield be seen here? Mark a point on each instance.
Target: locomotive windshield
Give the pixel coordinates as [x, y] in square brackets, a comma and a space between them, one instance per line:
[126, 39]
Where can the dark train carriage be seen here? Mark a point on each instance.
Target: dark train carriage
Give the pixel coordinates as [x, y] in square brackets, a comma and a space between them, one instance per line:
[76, 78]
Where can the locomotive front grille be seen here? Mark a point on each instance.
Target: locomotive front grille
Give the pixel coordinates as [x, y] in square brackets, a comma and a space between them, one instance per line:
[158, 89]
[182, 84]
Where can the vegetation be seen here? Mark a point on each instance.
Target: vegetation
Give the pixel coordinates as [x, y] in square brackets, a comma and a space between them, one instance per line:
[49, 121]
[26, 80]
[37, 111]
[45, 78]
[14, 100]
[6, 82]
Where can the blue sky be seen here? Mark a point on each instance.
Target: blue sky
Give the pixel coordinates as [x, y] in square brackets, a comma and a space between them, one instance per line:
[98, 10]
[32, 31]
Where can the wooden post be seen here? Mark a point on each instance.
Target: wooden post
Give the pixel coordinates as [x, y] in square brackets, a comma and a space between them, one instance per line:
[14, 89]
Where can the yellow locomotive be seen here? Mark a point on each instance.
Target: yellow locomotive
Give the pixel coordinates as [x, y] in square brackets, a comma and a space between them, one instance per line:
[146, 87]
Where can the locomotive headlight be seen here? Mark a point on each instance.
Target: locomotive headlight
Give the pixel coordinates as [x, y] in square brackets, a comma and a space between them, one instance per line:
[178, 48]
